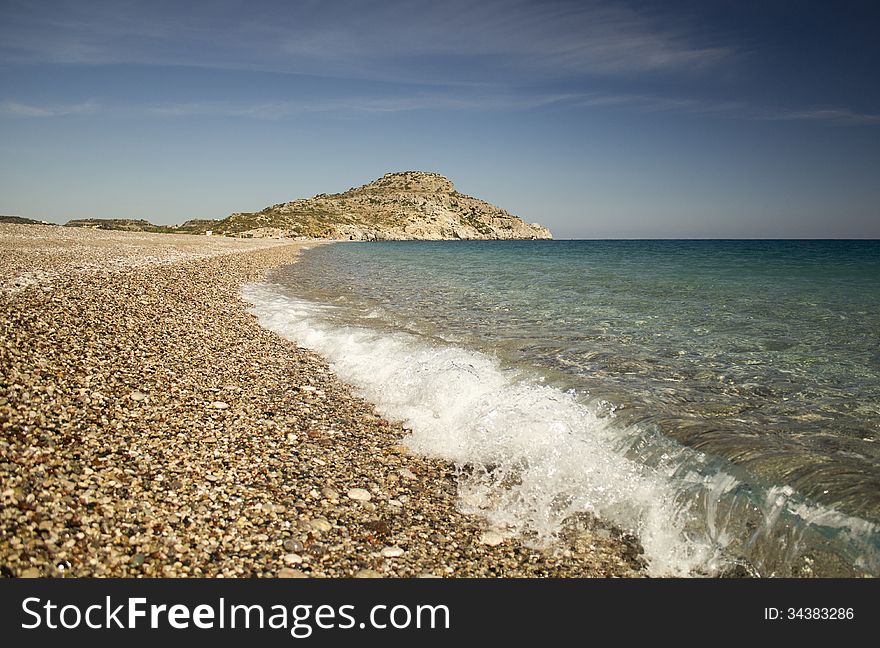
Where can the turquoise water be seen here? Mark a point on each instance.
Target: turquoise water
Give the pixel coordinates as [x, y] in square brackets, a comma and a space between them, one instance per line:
[737, 381]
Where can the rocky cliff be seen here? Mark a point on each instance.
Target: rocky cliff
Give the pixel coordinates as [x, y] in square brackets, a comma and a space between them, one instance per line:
[397, 206]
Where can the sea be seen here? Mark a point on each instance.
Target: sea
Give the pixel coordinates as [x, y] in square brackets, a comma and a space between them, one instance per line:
[719, 399]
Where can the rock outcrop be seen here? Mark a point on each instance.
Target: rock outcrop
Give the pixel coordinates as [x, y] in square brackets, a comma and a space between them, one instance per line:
[397, 206]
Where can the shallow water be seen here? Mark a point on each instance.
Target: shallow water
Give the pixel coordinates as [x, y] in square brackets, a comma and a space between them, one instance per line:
[719, 398]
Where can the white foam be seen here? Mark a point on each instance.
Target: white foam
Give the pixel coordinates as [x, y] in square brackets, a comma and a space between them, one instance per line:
[535, 454]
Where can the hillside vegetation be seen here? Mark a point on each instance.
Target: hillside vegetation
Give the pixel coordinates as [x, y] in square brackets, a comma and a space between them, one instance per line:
[398, 206]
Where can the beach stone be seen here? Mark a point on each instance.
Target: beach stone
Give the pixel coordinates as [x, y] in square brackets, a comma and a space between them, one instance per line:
[359, 495]
[220, 405]
[137, 560]
[287, 572]
[138, 396]
[368, 573]
[329, 493]
[392, 552]
[32, 572]
[317, 551]
[293, 546]
[380, 527]
[292, 559]
[491, 538]
[406, 473]
[320, 525]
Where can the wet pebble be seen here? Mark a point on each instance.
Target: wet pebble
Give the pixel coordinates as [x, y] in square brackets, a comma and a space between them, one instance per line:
[293, 546]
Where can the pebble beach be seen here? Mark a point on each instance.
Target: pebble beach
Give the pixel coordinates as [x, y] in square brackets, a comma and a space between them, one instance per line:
[151, 428]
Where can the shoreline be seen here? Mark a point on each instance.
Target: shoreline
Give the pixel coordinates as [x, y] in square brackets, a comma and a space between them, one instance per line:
[153, 428]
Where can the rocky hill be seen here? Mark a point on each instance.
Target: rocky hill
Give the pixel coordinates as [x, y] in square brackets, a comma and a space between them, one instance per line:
[397, 206]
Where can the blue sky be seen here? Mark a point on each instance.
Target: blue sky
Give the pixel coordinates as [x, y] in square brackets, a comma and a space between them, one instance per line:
[597, 118]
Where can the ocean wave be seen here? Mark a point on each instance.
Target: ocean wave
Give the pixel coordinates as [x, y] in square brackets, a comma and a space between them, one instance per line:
[536, 454]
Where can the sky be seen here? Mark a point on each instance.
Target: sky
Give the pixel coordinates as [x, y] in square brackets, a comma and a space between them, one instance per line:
[598, 119]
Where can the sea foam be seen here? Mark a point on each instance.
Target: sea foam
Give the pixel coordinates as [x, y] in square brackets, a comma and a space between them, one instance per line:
[535, 454]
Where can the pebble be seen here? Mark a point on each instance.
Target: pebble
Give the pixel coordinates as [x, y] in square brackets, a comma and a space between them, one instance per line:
[287, 572]
[138, 396]
[292, 559]
[491, 538]
[320, 525]
[392, 552]
[359, 495]
[293, 546]
[220, 405]
[317, 550]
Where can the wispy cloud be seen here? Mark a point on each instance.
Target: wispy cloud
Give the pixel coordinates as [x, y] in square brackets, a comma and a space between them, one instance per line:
[16, 109]
[443, 101]
[288, 109]
[555, 38]
[734, 109]
[836, 115]
[393, 40]
[276, 110]
[478, 55]
[656, 103]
